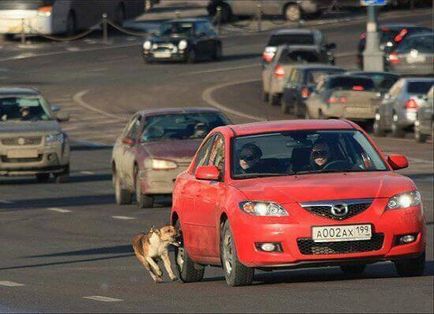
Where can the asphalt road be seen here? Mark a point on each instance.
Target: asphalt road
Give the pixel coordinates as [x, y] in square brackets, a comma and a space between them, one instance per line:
[65, 248]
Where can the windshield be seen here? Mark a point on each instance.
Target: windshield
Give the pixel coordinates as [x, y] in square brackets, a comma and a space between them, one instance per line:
[303, 152]
[291, 39]
[23, 109]
[176, 28]
[313, 77]
[181, 126]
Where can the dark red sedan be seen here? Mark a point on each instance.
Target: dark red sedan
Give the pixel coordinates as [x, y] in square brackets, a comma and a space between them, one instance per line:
[285, 194]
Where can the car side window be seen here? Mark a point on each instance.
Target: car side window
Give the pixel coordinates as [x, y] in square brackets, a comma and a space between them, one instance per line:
[202, 156]
[201, 28]
[217, 153]
[209, 29]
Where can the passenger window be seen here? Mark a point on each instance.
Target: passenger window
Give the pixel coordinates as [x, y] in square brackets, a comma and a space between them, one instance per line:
[217, 155]
[203, 154]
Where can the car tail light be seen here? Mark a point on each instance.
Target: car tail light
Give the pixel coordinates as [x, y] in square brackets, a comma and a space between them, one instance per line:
[393, 58]
[337, 100]
[305, 92]
[267, 56]
[401, 35]
[411, 104]
[358, 88]
[45, 10]
[279, 72]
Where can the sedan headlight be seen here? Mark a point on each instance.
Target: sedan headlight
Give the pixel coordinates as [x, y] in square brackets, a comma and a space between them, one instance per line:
[54, 138]
[161, 164]
[404, 200]
[263, 208]
[147, 45]
[182, 44]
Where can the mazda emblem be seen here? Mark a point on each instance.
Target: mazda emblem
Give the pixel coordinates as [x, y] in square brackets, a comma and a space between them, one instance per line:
[340, 210]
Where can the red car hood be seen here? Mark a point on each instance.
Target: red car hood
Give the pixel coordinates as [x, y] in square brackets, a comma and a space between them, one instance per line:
[173, 150]
[327, 186]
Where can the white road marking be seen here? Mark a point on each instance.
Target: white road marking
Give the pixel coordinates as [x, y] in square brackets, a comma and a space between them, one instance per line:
[59, 210]
[87, 172]
[420, 161]
[224, 69]
[78, 98]
[5, 202]
[123, 217]
[10, 284]
[102, 299]
[73, 49]
[207, 96]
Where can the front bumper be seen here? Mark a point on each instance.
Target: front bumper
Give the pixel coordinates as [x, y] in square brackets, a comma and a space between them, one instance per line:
[290, 231]
[166, 56]
[29, 160]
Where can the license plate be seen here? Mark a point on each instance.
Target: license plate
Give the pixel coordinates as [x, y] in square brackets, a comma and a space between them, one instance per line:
[416, 58]
[341, 233]
[22, 153]
[162, 54]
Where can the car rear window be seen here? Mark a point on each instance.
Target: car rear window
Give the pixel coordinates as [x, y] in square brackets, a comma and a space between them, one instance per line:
[316, 76]
[419, 88]
[291, 39]
[423, 44]
[298, 56]
[351, 83]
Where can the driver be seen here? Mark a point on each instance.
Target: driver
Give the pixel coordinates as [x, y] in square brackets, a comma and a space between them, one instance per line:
[320, 155]
[25, 113]
[250, 156]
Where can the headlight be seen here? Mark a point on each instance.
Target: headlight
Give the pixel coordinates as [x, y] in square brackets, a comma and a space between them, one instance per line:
[54, 138]
[182, 44]
[160, 164]
[147, 45]
[263, 208]
[404, 200]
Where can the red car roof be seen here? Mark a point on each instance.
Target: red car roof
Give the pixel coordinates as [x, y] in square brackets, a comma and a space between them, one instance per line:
[289, 125]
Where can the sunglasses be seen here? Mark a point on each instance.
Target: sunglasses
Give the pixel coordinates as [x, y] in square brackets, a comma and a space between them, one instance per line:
[248, 157]
[320, 153]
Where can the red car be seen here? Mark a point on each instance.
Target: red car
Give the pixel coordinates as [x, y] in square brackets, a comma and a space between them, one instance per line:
[284, 194]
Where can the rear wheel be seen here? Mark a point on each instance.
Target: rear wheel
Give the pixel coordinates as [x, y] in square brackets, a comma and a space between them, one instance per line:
[292, 12]
[397, 131]
[353, 269]
[236, 274]
[63, 176]
[411, 267]
[188, 270]
[143, 200]
[123, 196]
[43, 177]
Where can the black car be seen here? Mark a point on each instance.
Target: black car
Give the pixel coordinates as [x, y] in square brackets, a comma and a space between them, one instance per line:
[391, 36]
[301, 82]
[183, 40]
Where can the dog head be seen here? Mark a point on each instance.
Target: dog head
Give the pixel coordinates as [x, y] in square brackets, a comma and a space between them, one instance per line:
[168, 234]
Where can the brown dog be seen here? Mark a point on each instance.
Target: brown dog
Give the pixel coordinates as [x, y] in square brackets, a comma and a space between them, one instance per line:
[152, 246]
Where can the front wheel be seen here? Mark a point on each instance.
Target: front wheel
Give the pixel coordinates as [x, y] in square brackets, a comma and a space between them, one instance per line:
[188, 270]
[411, 267]
[123, 196]
[62, 177]
[236, 274]
[143, 200]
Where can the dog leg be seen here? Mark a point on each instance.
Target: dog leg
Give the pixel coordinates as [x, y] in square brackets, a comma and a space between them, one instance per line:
[157, 271]
[166, 261]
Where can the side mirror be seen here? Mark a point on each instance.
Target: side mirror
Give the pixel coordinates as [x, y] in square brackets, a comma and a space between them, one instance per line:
[397, 161]
[331, 46]
[55, 108]
[209, 173]
[62, 116]
[128, 141]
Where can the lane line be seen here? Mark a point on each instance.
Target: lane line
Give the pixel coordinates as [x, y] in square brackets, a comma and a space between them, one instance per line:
[102, 298]
[78, 98]
[87, 172]
[5, 202]
[207, 97]
[59, 210]
[10, 284]
[224, 69]
[123, 217]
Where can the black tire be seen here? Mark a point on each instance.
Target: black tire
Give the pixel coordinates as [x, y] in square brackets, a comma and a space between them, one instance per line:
[418, 136]
[71, 24]
[292, 12]
[43, 177]
[63, 176]
[218, 52]
[236, 274]
[397, 131]
[188, 271]
[142, 200]
[356, 269]
[377, 128]
[411, 267]
[123, 196]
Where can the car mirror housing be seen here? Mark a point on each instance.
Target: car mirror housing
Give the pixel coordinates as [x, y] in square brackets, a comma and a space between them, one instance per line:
[397, 161]
[209, 173]
[62, 116]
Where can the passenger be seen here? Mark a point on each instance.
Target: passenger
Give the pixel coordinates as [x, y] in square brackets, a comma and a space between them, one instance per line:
[250, 156]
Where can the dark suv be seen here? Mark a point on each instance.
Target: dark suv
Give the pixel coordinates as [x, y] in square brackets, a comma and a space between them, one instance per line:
[292, 10]
[391, 36]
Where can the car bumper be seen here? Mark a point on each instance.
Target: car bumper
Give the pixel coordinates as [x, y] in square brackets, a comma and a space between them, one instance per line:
[298, 248]
[172, 56]
[159, 181]
[352, 112]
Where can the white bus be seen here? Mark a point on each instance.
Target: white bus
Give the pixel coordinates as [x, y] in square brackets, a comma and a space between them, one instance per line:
[63, 16]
